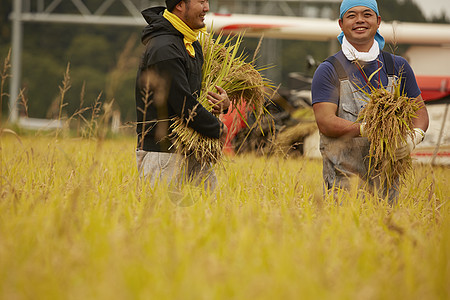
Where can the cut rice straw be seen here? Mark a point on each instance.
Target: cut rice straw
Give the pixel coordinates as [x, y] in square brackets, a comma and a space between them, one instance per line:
[388, 117]
[224, 67]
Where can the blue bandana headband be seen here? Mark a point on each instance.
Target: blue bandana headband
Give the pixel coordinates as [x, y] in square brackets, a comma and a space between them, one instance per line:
[372, 4]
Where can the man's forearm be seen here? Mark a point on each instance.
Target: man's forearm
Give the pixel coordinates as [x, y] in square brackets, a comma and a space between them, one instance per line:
[422, 120]
[338, 127]
[331, 125]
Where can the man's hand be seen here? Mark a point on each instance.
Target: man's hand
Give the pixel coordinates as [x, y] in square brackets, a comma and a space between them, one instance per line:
[223, 133]
[220, 100]
[411, 142]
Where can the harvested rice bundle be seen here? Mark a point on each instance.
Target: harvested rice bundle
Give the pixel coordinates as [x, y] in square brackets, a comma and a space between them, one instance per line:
[243, 83]
[293, 135]
[388, 120]
[253, 94]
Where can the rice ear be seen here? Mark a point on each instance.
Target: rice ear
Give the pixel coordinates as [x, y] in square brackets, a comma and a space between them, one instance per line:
[388, 116]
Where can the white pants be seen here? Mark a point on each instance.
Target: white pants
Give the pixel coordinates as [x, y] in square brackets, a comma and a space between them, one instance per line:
[174, 169]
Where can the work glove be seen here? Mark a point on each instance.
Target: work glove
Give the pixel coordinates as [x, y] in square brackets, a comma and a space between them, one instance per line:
[411, 142]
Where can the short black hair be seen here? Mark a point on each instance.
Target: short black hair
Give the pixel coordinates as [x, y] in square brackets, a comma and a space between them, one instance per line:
[170, 4]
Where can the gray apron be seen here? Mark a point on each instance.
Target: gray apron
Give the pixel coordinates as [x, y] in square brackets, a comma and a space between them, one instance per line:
[344, 158]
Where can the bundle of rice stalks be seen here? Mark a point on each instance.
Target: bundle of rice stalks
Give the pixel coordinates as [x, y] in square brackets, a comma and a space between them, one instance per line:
[243, 83]
[291, 136]
[388, 118]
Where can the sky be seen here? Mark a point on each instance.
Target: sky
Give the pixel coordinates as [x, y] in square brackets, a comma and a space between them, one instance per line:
[432, 8]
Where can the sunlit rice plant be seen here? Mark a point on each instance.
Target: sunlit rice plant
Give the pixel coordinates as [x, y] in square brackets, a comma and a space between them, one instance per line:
[225, 67]
[76, 223]
[388, 120]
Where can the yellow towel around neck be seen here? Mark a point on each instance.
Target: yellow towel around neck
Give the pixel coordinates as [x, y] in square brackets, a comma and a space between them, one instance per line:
[190, 35]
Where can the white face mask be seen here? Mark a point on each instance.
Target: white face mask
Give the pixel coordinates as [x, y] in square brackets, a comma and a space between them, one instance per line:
[351, 53]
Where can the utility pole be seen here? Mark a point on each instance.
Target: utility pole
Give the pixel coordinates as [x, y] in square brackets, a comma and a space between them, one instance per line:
[16, 60]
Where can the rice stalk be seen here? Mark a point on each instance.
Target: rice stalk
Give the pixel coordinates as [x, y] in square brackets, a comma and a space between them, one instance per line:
[225, 67]
[63, 89]
[388, 117]
[4, 75]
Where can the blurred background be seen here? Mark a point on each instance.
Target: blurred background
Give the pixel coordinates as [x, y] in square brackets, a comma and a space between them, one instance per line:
[103, 58]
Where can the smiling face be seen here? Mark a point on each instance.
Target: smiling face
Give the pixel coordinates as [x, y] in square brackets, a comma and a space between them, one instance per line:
[360, 25]
[193, 12]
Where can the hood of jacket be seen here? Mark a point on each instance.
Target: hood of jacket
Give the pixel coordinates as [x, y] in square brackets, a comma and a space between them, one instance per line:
[157, 24]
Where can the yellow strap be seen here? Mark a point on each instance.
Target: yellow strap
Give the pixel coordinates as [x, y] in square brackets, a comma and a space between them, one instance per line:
[190, 35]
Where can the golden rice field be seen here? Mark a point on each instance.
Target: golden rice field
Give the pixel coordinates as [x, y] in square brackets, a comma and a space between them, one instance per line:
[75, 223]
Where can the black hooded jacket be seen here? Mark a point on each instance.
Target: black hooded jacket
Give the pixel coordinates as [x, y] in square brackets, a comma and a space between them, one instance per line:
[167, 85]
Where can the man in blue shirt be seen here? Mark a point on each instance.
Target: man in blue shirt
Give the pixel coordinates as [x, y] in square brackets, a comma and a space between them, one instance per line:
[337, 99]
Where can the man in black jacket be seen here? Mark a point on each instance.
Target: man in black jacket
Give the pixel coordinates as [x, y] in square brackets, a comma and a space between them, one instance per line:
[167, 85]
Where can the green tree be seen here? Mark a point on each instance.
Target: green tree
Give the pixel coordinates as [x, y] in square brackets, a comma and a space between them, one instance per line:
[406, 11]
[442, 18]
[40, 80]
